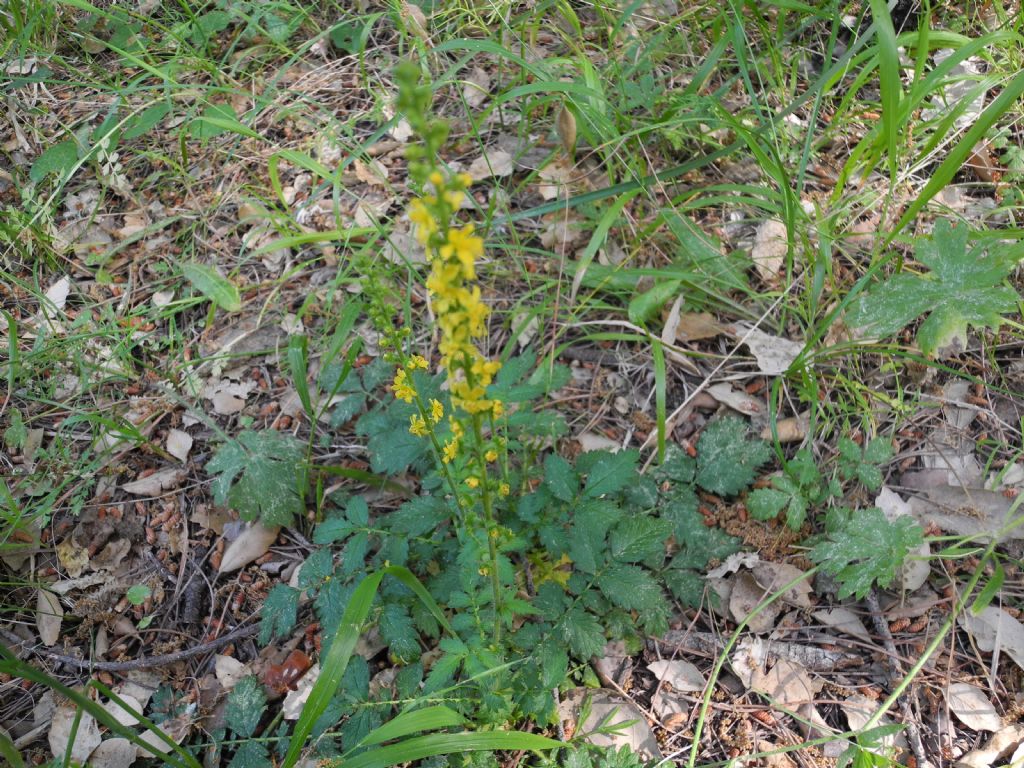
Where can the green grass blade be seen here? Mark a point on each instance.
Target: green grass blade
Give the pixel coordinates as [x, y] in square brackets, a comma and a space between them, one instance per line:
[429, 719]
[448, 743]
[660, 385]
[609, 218]
[956, 157]
[333, 665]
[889, 75]
[9, 753]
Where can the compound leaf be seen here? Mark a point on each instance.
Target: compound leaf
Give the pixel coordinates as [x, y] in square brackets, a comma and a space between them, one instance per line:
[261, 475]
[865, 548]
[280, 610]
[727, 459]
[961, 290]
[245, 706]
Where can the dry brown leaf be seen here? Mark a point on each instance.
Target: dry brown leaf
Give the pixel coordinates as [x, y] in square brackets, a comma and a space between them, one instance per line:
[681, 675]
[122, 715]
[477, 87]
[843, 620]
[72, 557]
[49, 616]
[747, 595]
[787, 683]
[859, 709]
[994, 629]
[295, 700]
[997, 749]
[566, 126]
[252, 543]
[228, 670]
[792, 429]
[972, 706]
[774, 576]
[592, 441]
[176, 729]
[113, 753]
[374, 173]
[494, 162]
[87, 737]
[156, 483]
[774, 354]
[770, 249]
[694, 326]
[737, 399]
[178, 444]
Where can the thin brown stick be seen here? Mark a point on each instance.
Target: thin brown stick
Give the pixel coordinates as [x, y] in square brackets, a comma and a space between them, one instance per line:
[151, 661]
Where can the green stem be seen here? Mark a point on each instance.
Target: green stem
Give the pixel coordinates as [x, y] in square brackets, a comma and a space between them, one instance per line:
[489, 528]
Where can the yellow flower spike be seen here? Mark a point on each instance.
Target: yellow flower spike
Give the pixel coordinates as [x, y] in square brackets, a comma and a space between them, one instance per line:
[450, 451]
[436, 411]
[418, 426]
[504, 490]
[402, 388]
[473, 482]
[417, 361]
[491, 455]
[497, 409]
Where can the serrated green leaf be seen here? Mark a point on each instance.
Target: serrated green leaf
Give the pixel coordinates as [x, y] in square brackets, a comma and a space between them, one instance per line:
[582, 633]
[766, 503]
[279, 613]
[252, 754]
[59, 159]
[138, 593]
[261, 475]
[560, 478]
[213, 285]
[864, 548]
[397, 631]
[418, 516]
[962, 290]
[727, 458]
[245, 706]
[685, 585]
[638, 538]
[610, 472]
[630, 587]
[318, 568]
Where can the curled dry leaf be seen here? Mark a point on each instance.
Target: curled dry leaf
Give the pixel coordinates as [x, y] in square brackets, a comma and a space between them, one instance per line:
[227, 396]
[295, 700]
[156, 483]
[87, 738]
[737, 399]
[252, 543]
[49, 616]
[592, 441]
[792, 429]
[176, 729]
[566, 125]
[178, 444]
[859, 709]
[1001, 746]
[972, 706]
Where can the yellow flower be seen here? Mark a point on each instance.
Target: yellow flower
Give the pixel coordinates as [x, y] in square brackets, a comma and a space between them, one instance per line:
[424, 221]
[504, 490]
[417, 361]
[418, 426]
[450, 451]
[491, 455]
[472, 482]
[464, 179]
[436, 178]
[402, 388]
[436, 411]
